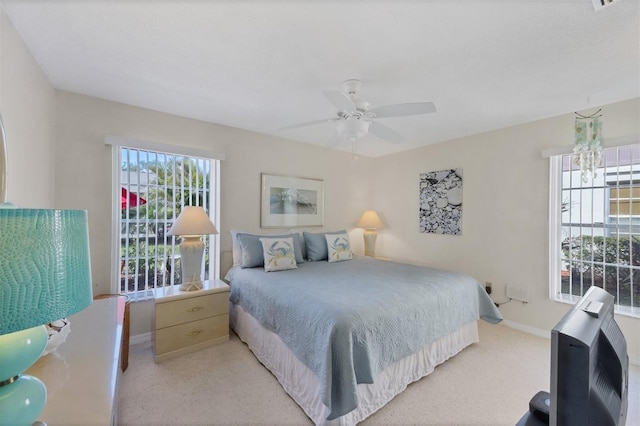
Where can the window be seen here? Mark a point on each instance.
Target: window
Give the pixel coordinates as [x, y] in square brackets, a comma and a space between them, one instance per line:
[153, 186]
[595, 228]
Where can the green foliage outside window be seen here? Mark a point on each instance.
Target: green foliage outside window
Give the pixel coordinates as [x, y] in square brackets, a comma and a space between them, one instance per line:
[152, 260]
[612, 263]
[149, 264]
[163, 201]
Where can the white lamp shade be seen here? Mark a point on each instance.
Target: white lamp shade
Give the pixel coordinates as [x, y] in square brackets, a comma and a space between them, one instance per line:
[192, 221]
[370, 220]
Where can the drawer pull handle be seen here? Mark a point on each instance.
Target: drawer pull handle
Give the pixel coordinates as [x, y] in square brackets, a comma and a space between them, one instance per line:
[196, 309]
[195, 333]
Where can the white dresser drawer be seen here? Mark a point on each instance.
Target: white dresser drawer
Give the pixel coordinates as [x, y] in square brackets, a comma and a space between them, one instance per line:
[192, 333]
[192, 309]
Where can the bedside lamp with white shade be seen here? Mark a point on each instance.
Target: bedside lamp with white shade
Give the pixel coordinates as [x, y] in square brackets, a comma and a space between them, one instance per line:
[191, 225]
[370, 222]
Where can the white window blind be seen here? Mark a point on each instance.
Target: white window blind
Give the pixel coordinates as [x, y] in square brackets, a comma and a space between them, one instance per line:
[595, 228]
[152, 187]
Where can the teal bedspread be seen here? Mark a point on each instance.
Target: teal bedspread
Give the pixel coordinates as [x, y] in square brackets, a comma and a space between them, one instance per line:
[348, 320]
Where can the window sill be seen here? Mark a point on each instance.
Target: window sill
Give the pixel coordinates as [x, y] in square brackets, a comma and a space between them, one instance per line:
[626, 311]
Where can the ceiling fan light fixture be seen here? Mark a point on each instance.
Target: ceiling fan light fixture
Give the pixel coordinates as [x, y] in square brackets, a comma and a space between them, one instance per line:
[352, 86]
[354, 118]
[352, 128]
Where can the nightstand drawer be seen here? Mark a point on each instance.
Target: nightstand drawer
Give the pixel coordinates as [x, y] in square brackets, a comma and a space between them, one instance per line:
[183, 335]
[191, 309]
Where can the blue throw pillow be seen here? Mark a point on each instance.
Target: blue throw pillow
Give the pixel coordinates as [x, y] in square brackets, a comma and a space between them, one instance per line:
[317, 245]
[252, 253]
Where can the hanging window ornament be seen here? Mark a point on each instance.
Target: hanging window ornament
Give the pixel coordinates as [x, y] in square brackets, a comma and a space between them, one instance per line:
[588, 148]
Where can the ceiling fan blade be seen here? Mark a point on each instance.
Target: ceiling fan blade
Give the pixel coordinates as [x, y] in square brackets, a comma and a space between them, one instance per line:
[308, 123]
[340, 100]
[386, 133]
[400, 110]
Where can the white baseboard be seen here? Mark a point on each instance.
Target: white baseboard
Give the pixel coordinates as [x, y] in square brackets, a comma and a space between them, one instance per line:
[547, 335]
[140, 338]
[528, 329]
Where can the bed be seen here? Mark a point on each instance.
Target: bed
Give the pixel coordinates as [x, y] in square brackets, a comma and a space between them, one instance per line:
[343, 338]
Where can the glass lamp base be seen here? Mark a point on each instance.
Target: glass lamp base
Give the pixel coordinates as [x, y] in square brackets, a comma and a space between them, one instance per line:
[22, 397]
[22, 401]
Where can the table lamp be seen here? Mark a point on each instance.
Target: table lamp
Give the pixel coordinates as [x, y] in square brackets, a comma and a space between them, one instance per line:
[370, 222]
[191, 225]
[45, 275]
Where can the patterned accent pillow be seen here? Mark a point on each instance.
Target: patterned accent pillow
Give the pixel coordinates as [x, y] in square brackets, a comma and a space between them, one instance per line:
[250, 247]
[316, 245]
[278, 254]
[338, 247]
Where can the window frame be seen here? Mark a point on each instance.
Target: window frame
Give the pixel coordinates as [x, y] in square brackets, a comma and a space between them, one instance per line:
[555, 231]
[214, 158]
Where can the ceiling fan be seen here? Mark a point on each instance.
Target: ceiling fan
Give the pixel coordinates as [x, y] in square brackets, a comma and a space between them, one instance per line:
[354, 118]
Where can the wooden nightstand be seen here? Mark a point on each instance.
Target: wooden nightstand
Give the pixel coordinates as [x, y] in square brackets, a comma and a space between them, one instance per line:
[186, 321]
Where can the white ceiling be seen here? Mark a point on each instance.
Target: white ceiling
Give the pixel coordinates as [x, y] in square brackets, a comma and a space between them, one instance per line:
[264, 65]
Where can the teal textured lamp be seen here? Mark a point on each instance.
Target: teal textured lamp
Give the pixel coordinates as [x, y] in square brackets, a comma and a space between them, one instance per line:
[45, 275]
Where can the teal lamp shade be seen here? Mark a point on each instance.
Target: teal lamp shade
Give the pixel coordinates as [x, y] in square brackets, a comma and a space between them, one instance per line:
[45, 275]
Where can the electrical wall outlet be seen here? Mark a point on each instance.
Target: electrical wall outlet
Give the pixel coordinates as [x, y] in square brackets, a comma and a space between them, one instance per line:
[518, 293]
[487, 287]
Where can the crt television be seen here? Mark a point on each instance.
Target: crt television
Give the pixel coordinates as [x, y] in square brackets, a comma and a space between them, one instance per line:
[589, 365]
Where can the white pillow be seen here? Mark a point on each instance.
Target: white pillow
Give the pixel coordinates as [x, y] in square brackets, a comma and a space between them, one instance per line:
[279, 254]
[338, 247]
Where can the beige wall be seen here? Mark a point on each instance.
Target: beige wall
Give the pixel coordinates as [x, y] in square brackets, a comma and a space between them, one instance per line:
[505, 224]
[505, 210]
[27, 106]
[83, 175]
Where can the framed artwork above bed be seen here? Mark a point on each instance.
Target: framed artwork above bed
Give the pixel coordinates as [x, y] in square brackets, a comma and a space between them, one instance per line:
[289, 201]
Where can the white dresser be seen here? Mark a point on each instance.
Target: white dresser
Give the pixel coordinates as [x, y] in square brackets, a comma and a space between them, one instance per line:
[82, 374]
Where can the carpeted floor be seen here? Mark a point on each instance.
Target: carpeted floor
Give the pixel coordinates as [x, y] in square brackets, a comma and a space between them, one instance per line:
[489, 383]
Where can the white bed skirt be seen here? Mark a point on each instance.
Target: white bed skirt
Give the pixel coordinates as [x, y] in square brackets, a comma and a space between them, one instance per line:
[304, 386]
